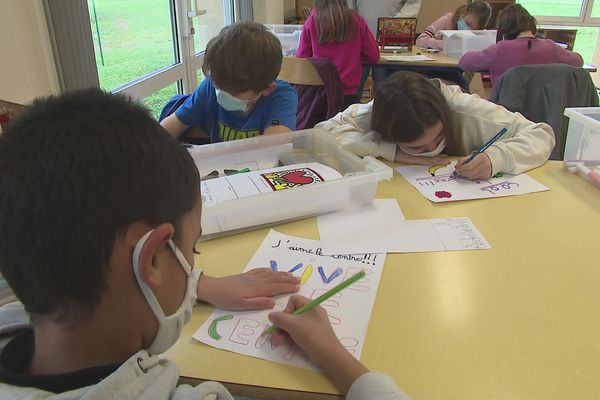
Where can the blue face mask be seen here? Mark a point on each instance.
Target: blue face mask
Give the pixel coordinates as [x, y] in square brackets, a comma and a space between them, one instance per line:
[232, 103]
[462, 26]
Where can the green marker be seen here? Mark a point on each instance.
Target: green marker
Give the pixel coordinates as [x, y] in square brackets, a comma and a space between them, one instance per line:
[321, 298]
[243, 170]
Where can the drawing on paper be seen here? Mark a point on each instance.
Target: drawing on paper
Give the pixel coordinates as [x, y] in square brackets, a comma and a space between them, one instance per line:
[274, 266]
[432, 170]
[306, 274]
[281, 180]
[499, 186]
[348, 311]
[442, 194]
[243, 331]
[212, 329]
[327, 279]
[439, 184]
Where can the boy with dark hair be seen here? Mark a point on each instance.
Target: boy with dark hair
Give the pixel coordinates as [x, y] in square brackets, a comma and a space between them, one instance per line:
[99, 213]
[240, 97]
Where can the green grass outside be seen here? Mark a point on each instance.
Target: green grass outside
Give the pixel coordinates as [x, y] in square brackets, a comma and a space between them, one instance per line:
[136, 39]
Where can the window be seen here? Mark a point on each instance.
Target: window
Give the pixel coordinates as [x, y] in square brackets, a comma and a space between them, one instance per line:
[583, 15]
[151, 49]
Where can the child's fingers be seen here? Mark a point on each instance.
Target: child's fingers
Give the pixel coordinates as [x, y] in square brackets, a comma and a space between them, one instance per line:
[255, 303]
[273, 289]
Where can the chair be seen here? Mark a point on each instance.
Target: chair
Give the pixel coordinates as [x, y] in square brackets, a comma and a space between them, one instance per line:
[320, 90]
[299, 71]
[392, 31]
[542, 92]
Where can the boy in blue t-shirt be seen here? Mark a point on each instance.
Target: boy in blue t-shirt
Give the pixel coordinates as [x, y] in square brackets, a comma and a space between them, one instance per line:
[240, 97]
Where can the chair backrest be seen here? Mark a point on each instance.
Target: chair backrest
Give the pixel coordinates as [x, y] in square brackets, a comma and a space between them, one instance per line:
[396, 31]
[299, 71]
[542, 92]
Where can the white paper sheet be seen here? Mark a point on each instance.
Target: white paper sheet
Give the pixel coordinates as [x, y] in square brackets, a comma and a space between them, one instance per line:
[219, 190]
[439, 185]
[380, 228]
[349, 311]
[267, 157]
[408, 58]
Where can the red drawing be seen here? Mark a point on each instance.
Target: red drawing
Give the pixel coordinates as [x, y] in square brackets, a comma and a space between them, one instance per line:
[442, 194]
[280, 180]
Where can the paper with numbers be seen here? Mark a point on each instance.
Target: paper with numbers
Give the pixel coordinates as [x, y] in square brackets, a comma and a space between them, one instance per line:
[349, 311]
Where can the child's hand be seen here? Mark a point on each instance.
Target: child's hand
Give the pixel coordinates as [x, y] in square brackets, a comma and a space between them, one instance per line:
[405, 158]
[252, 290]
[479, 167]
[313, 333]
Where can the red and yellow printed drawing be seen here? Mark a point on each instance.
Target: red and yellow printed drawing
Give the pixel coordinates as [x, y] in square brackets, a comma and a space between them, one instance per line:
[281, 180]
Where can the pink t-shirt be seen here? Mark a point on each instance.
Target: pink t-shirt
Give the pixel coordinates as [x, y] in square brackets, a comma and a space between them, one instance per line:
[431, 37]
[506, 54]
[347, 56]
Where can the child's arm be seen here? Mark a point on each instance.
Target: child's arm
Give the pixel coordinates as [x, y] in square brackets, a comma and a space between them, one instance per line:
[252, 290]
[429, 37]
[280, 114]
[565, 56]
[313, 333]
[524, 146]
[173, 125]
[479, 60]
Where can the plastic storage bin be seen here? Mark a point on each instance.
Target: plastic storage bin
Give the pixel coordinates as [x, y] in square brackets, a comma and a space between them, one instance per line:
[457, 43]
[583, 136]
[357, 186]
[289, 36]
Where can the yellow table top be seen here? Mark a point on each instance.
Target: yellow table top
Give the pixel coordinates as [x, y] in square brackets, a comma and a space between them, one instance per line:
[519, 321]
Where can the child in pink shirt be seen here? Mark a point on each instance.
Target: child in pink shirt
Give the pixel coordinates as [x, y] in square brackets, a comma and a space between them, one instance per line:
[335, 32]
[471, 17]
[520, 47]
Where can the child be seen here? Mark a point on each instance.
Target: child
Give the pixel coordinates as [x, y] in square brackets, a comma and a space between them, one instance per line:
[413, 119]
[240, 97]
[97, 243]
[335, 32]
[518, 28]
[474, 16]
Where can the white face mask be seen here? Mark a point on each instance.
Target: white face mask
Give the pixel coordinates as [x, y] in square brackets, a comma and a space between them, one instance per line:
[440, 147]
[232, 103]
[169, 327]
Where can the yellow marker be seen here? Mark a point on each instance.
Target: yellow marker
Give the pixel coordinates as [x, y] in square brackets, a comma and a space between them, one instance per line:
[306, 274]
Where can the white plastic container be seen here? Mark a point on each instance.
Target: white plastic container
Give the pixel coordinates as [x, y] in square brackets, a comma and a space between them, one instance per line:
[289, 36]
[357, 186]
[583, 136]
[458, 42]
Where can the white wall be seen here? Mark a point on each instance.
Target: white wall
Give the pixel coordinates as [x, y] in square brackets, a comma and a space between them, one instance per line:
[268, 11]
[26, 64]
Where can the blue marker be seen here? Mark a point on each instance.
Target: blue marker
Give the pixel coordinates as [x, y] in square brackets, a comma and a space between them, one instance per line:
[483, 148]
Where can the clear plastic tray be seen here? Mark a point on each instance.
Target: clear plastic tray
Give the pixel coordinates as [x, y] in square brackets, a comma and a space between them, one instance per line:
[357, 186]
